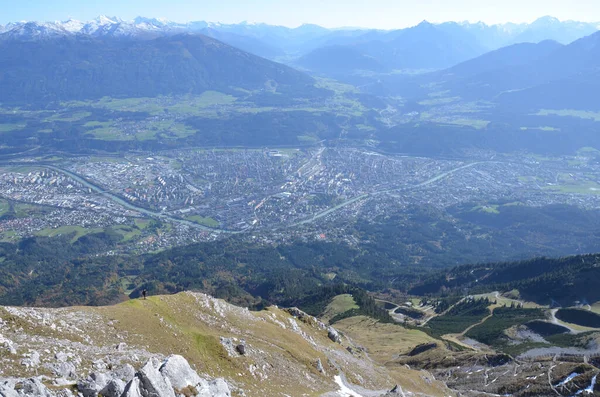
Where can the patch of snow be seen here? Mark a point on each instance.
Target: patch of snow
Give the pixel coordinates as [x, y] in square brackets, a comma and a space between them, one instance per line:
[568, 379]
[344, 391]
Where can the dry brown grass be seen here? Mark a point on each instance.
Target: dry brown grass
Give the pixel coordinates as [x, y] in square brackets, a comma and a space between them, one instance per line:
[385, 342]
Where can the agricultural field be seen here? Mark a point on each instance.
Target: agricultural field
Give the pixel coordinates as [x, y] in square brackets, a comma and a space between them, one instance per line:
[583, 114]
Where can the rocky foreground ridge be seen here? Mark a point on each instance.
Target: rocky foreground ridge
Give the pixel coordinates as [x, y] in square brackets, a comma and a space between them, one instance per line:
[188, 344]
[171, 378]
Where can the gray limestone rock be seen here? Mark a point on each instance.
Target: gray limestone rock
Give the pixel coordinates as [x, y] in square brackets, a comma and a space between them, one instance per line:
[64, 369]
[132, 389]
[152, 383]
[216, 388]
[229, 345]
[172, 378]
[32, 360]
[61, 357]
[93, 384]
[114, 388]
[8, 345]
[319, 366]
[334, 335]
[124, 373]
[395, 392]
[34, 388]
[7, 388]
[179, 373]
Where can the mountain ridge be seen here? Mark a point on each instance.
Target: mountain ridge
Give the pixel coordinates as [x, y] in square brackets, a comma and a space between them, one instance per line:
[79, 67]
[272, 352]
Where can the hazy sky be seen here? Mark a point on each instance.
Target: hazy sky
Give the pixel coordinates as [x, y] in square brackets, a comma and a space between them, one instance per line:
[384, 14]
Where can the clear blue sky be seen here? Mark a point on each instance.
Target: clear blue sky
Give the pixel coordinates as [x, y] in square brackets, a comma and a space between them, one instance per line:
[384, 14]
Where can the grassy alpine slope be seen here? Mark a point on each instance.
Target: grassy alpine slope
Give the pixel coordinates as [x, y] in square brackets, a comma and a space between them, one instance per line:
[281, 351]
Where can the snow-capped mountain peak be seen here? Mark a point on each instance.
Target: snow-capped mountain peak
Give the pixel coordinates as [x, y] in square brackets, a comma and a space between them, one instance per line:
[104, 20]
[33, 30]
[72, 25]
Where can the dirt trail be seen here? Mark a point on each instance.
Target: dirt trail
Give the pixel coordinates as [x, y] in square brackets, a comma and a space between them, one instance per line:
[455, 337]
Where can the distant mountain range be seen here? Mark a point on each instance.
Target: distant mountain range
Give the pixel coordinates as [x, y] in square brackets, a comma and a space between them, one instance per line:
[529, 76]
[435, 46]
[145, 57]
[273, 41]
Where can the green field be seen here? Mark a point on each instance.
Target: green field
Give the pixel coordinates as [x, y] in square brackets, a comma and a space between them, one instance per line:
[109, 134]
[78, 230]
[152, 130]
[206, 221]
[192, 105]
[580, 187]
[439, 101]
[4, 207]
[7, 236]
[69, 116]
[338, 305]
[128, 232]
[141, 223]
[490, 209]
[540, 128]
[11, 127]
[583, 114]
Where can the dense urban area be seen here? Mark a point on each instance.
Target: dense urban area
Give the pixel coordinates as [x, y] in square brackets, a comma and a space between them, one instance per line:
[204, 194]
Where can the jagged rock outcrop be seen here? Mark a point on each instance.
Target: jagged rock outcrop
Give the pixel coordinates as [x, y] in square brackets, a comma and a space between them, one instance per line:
[395, 392]
[27, 387]
[172, 378]
[334, 335]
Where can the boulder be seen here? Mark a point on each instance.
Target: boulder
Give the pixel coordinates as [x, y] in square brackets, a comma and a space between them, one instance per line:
[7, 388]
[32, 360]
[334, 335]
[114, 388]
[241, 349]
[125, 373]
[93, 384]
[319, 366]
[229, 344]
[64, 369]
[35, 388]
[8, 345]
[216, 388]
[178, 372]
[152, 383]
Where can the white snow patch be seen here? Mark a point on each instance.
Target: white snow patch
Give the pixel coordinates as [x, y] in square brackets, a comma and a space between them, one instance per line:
[344, 391]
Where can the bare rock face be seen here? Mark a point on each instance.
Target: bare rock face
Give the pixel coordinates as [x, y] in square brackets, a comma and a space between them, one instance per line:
[172, 378]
